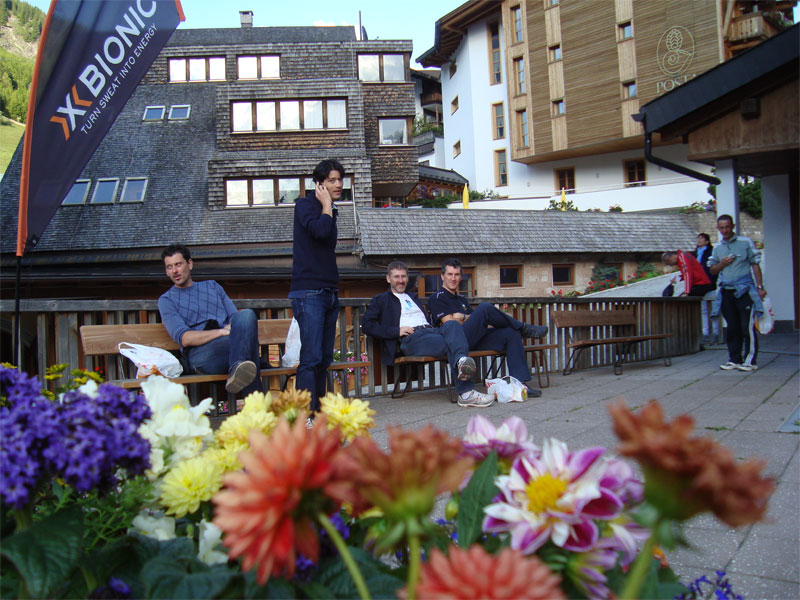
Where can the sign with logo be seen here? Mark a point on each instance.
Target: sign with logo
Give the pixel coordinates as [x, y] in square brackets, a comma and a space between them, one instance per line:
[92, 55]
[674, 54]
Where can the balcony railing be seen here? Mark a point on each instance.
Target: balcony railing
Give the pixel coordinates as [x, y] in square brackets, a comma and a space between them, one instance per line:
[50, 332]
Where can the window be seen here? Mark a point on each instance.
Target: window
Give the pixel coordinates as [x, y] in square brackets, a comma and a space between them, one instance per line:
[624, 31]
[258, 67]
[629, 89]
[453, 68]
[381, 67]
[519, 71]
[133, 190]
[498, 121]
[272, 191]
[77, 193]
[179, 111]
[454, 105]
[393, 131]
[565, 179]
[563, 274]
[554, 52]
[153, 113]
[500, 168]
[431, 282]
[510, 276]
[551, 3]
[495, 61]
[516, 17]
[105, 191]
[607, 271]
[559, 108]
[634, 173]
[457, 148]
[197, 69]
[522, 126]
[288, 115]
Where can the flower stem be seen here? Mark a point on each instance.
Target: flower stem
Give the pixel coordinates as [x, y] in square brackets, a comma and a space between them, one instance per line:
[349, 562]
[414, 560]
[641, 566]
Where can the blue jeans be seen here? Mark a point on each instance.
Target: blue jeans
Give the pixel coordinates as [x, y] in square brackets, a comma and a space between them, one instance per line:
[449, 340]
[504, 336]
[316, 312]
[219, 355]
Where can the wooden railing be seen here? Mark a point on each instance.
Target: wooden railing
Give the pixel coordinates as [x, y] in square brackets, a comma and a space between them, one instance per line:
[50, 331]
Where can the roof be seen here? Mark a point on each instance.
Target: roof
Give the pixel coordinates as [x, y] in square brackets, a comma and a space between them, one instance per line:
[716, 91]
[404, 232]
[260, 35]
[451, 28]
[443, 175]
[429, 74]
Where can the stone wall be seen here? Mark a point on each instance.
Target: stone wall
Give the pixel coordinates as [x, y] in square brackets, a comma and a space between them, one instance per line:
[707, 222]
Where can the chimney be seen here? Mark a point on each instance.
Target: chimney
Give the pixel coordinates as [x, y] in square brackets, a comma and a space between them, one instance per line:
[246, 18]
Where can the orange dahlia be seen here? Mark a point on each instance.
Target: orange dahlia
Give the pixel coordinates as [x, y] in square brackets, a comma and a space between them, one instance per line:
[686, 475]
[266, 511]
[473, 573]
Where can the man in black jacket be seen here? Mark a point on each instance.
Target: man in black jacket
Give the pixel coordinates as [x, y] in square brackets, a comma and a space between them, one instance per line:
[398, 319]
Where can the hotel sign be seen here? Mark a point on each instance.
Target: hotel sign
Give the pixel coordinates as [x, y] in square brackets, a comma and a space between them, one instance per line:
[674, 54]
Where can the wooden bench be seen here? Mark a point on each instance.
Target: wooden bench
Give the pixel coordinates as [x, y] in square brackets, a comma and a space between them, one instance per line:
[604, 328]
[102, 340]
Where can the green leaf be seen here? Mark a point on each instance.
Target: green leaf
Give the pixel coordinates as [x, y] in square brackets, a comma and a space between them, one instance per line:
[670, 589]
[381, 581]
[171, 580]
[479, 492]
[314, 590]
[46, 552]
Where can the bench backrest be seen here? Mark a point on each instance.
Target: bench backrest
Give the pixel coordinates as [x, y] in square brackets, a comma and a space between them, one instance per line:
[103, 339]
[593, 318]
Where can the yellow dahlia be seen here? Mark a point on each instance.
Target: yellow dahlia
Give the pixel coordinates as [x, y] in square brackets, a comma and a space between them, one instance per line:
[266, 511]
[236, 428]
[257, 402]
[292, 403]
[189, 483]
[473, 573]
[353, 417]
[227, 456]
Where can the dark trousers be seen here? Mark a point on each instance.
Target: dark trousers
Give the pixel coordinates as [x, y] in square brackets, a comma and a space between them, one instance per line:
[701, 289]
[741, 336]
[503, 336]
[449, 340]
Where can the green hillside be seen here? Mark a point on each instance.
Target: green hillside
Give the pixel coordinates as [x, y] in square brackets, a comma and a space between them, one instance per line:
[10, 134]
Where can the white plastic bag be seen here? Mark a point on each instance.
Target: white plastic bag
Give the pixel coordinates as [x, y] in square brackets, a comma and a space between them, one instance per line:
[291, 355]
[507, 389]
[150, 360]
[766, 321]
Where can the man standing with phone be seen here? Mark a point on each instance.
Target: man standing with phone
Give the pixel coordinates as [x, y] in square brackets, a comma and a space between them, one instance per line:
[736, 260]
[314, 289]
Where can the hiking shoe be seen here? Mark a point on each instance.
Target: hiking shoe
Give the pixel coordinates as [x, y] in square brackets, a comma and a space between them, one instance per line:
[533, 392]
[475, 398]
[240, 375]
[746, 367]
[533, 331]
[310, 423]
[466, 368]
[729, 366]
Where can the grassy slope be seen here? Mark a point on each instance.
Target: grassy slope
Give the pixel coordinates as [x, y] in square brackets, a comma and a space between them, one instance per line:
[10, 134]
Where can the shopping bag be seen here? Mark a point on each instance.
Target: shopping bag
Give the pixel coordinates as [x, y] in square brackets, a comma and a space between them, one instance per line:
[766, 321]
[507, 389]
[291, 354]
[150, 360]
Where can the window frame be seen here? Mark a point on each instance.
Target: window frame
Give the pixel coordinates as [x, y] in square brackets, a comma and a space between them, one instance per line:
[500, 168]
[520, 86]
[520, 282]
[495, 54]
[636, 163]
[498, 122]
[101, 180]
[277, 103]
[259, 58]
[522, 129]
[465, 288]
[125, 187]
[554, 53]
[186, 71]
[571, 269]
[516, 20]
[621, 29]
[88, 183]
[626, 90]
[188, 108]
[381, 70]
[162, 109]
[570, 174]
[457, 148]
[406, 134]
[305, 183]
[454, 104]
[558, 108]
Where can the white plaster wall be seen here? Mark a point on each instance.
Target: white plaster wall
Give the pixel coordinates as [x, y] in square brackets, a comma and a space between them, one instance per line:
[436, 158]
[778, 257]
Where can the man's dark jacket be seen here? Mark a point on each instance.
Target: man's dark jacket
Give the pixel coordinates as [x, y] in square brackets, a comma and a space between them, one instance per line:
[382, 321]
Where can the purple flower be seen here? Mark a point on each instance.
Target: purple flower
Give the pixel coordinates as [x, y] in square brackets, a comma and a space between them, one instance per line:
[587, 571]
[115, 588]
[509, 440]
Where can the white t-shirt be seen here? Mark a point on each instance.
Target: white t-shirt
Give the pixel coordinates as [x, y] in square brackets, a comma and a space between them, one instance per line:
[410, 313]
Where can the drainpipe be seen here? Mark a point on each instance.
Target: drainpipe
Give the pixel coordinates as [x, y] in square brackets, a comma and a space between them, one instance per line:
[648, 154]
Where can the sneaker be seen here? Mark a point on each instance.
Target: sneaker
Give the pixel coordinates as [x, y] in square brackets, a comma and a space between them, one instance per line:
[475, 398]
[729, 366]
[746, 367]
[241, 375]
[533, 331]
[310, 423]
[466, 368]
[533, 392]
